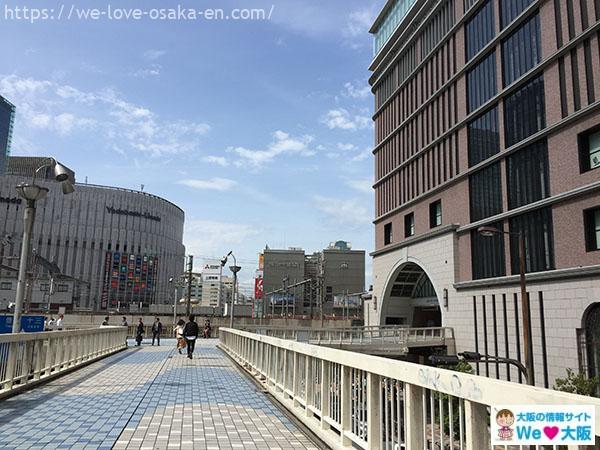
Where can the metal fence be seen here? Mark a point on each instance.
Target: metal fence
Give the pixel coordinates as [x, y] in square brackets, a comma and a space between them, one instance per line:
[369, 402]
[27, 358]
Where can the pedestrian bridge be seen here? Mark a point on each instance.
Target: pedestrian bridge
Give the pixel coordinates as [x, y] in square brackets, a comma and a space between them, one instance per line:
[85, 389]
[380, 340]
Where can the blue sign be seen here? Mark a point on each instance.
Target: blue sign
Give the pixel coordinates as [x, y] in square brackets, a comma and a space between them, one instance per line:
[29, 324]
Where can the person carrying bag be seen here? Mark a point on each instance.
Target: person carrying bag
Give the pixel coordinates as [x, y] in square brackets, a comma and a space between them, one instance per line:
[179, 335]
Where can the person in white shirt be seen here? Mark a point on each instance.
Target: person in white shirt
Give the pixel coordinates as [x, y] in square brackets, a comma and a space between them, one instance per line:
[51, 324]
[59, 322]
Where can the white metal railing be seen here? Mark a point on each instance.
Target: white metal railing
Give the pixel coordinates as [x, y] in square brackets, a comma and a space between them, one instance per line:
[27, 358]
[378, 403]
[371, 335]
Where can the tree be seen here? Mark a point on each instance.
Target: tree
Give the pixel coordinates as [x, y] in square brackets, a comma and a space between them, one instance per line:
[577, 384]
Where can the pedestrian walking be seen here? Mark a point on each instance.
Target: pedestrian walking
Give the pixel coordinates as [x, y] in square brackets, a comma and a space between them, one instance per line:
[190, 334]
[124, 322]
[50, 325]
[139, 332]
[59, 322]
[105, 323]
[179, 335]
[156, 330]
[207, 329]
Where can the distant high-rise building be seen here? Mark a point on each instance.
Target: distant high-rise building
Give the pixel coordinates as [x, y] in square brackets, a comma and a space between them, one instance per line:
[7, 115]
[333, 278]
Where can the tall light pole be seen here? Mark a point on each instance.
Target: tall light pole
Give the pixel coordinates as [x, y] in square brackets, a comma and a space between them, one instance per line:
[235, 269]
[491, 232]
[188, 307]
[31, 193]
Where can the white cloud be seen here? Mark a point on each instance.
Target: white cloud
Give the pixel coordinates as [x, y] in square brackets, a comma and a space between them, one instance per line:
[282, 144]
[212, 184]
[342, 119]
[199, 236]
[153, 70]
[346, 147]
[363, 185]
[153, 54]
[343, 212]
[359, 22]
[365, 154]
[352, 90]
[125, 126]
[220, 160]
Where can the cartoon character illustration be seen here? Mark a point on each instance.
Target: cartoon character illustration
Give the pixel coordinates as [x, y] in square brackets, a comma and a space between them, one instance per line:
[505, 419]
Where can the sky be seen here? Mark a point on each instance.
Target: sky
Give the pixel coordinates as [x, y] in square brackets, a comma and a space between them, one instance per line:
[260, 130]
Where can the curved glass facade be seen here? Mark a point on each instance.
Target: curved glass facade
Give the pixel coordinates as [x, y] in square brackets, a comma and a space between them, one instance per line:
[391, 22]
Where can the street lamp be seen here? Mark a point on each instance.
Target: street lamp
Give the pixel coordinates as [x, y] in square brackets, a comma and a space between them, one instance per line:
[490, 232]
[31, 193]
[235, 269]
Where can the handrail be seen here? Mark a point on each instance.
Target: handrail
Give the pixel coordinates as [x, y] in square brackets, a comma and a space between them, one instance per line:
[28, 358]
[373, 402]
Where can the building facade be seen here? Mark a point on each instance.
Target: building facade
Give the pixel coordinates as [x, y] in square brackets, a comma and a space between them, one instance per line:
[334, 279]
[119, 247]
[487, 113]
[7, 115]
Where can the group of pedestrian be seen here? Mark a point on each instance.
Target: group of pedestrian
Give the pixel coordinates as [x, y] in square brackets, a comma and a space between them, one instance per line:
[187, 334]
[52, 324]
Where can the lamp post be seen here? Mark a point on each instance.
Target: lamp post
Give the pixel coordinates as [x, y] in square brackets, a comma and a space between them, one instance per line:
[235, 269]
[31, 193]
[490, 232]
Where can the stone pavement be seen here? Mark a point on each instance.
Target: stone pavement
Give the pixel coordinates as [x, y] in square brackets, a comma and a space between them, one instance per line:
[149, 398]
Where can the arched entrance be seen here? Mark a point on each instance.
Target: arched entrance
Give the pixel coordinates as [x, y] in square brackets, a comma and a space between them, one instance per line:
[410, 299]
[592, 340]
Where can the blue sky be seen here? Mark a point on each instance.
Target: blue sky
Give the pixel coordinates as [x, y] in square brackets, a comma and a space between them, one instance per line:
[259, 130]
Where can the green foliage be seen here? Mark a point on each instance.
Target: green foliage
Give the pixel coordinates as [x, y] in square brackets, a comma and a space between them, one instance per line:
[577, 384]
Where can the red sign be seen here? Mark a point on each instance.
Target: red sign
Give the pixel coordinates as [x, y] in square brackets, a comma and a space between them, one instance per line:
[258, 288]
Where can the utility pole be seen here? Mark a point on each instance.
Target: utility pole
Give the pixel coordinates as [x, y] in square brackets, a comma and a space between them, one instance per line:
[188, 309]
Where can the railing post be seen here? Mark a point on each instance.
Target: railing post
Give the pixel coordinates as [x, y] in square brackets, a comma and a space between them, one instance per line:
[37, 370]
[324, 394]
[413, 416]
[345, 405]
[373, 410]
[476, 426]
[308, 384]
[295, 380]
[13, 348]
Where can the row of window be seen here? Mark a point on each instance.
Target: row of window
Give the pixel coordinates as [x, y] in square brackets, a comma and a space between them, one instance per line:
[432, 168]
[437, 28]
[435, 220]
[577, 95]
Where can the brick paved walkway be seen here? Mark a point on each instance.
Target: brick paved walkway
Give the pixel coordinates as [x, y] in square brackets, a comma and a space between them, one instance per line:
[149, 398]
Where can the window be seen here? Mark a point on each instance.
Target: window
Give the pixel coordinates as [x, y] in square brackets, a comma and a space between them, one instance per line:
[521, 51]
[435, 214]
[481, 82]
[391, 21]
[480, 29]
[387, 234]
[536, 227]
[592, 229]
[510, 9]
[524, 112]
[487, 254]
[409, 225]
[484, 137]
[5, 286]
[44, 287]
[485, 192]
[589, 149]
[62, 288]
[437, 28]
[527, 175]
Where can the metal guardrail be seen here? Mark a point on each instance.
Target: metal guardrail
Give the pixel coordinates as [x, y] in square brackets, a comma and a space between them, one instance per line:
[372, 335]
[371, 402]
[28, 358]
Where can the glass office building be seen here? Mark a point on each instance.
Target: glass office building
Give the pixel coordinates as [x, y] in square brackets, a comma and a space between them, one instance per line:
[7, 114]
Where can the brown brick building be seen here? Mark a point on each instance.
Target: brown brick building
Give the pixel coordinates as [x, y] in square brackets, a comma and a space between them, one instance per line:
[487, 113]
